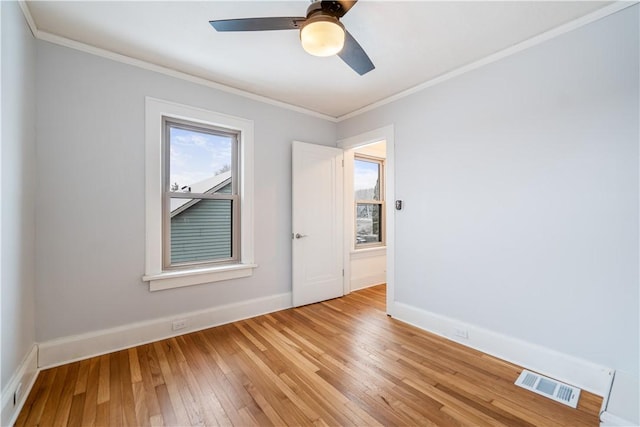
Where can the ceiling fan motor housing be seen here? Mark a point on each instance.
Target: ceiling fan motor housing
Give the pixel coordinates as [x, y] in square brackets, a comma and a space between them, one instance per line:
[327, 11]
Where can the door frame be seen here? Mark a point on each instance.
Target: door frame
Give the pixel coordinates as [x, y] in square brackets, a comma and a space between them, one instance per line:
[385, 133]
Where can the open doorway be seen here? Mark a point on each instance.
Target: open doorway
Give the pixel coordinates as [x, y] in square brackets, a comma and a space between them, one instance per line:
[368, 214]
[368, 248]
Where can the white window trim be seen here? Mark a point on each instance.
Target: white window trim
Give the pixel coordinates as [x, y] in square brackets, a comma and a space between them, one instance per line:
[155, 110]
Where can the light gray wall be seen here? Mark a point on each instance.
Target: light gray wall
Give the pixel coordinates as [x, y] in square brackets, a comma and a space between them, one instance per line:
[90, 247]
[18, 189]
[520, 182]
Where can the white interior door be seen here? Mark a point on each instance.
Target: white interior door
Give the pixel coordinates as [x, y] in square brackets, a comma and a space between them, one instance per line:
[317, 239]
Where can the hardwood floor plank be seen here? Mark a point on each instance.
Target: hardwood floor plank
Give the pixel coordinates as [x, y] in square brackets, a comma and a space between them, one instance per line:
[268, 409]
[188, 396]
[203, 394]
[115, 391]
[91, 393]
[57, 412]
[102, 415]
[287, 348]
[103, 381]
[168, 415]
[134, 365]
[278, 382]
[126, 388]
[83, 373]
[143, 418]
[250, 337]
[146, 361]
[210, 383]
[75, 412]
[340, 362]
[430, 410]
[320, 400]
[231, 381]
[203, 409]
[471, 400]
[452, 406]
[273, 396]
[247, 418]
[171, 381]
[39, 396]
[157, 421]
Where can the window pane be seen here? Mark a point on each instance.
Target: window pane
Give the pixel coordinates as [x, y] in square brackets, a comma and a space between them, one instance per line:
[366, 180]
[200, 230]
[199, 162]
[368, 217]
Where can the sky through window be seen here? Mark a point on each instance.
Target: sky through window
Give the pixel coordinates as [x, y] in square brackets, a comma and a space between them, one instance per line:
[196, 156]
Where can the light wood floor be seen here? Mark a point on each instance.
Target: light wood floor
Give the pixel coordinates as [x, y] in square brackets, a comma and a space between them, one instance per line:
[340, 362]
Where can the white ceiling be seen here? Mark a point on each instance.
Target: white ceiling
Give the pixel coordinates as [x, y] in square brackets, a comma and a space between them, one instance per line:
[409, 42]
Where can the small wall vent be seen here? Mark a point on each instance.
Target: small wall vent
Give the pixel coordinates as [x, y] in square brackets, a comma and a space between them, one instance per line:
[548, 387]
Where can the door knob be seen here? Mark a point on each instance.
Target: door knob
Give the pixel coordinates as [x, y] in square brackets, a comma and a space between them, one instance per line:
[300, 236]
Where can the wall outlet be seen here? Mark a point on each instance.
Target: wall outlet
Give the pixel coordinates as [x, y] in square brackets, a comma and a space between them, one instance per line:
[461, 333]
[179, 324]
[16, 394]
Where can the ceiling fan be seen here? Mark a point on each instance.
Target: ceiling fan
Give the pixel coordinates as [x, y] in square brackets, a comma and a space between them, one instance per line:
[321, 32]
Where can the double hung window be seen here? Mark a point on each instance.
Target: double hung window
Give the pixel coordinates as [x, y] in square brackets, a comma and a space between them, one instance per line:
[199, 196]
[369, 201]
[201, 208]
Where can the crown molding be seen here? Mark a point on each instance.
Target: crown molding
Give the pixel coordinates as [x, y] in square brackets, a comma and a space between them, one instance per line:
[555, 32]
[86, 48]
[27, 16]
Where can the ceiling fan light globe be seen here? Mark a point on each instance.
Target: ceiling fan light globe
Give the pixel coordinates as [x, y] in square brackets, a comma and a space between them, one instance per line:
[322, 37]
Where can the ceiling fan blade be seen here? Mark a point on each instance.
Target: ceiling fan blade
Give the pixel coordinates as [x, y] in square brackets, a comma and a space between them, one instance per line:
[355, 56]
[258, 24]
[346, 5]
[337, 8]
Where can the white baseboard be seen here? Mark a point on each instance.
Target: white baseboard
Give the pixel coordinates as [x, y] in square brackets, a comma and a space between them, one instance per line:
[368, 281]
[622, 408]
[68, 349]
[608, 419]
[569, 369]
[26, 375]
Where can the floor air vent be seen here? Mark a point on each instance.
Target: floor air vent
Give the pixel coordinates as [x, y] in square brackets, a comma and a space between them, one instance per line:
[560, 392]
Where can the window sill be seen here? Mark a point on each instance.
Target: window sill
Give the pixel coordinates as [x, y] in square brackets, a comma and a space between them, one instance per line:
[181, 278]
[369, 252]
